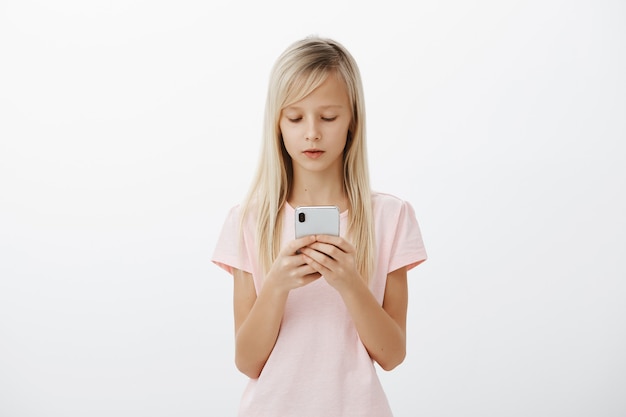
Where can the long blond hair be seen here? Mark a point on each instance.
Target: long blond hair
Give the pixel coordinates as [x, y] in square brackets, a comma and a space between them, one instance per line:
[299, 70]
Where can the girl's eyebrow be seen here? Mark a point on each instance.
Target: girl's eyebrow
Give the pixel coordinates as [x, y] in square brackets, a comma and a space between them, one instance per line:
[324, 107]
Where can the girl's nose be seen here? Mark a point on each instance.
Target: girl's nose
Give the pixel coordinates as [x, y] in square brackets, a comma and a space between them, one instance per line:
[313, 131]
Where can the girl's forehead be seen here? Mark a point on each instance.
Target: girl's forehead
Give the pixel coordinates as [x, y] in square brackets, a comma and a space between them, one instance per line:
[332, 92]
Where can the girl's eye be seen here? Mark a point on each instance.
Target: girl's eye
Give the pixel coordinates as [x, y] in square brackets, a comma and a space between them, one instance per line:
[329, 119]
[294, 119]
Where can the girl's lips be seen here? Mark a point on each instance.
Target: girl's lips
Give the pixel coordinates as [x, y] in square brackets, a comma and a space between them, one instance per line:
[313, 153]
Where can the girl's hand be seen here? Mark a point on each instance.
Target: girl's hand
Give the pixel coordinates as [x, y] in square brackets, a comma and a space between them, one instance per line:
[334, 258]
[290, 269]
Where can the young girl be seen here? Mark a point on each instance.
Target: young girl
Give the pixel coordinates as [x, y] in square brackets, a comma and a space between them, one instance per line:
[312, 315]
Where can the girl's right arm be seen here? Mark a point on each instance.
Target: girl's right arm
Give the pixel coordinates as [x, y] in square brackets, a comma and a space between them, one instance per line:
[257, 320]
[258, 317]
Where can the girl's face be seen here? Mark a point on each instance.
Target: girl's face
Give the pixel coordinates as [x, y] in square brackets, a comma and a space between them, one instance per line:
[315, 129]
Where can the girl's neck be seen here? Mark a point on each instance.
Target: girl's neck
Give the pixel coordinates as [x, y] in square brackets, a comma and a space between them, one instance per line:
[318, 190]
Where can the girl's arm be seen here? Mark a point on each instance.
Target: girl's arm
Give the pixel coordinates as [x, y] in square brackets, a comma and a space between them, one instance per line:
[258, 317]
[382, 329]
[257, 321]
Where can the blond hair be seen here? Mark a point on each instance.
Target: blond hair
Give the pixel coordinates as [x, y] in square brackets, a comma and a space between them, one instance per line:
[299, 70]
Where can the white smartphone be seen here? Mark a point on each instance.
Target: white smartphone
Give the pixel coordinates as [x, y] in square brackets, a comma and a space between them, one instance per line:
[317, 220]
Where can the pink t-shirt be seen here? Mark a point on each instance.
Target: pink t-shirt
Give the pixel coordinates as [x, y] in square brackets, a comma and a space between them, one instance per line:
[319, 367]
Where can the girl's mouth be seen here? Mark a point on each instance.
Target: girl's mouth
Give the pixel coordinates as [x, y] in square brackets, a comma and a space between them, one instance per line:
[313, 153]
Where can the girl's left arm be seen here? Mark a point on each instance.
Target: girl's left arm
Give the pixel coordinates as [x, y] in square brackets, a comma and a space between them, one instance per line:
[382, 329]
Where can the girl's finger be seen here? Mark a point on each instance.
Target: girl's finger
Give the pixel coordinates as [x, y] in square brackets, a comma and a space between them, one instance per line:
[337, 241]
[317, 266]
[315, 258]
[327, 249]
[306, 270]
[294, 246]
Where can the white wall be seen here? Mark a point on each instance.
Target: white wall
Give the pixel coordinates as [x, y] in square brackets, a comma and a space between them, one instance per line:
[128, 128]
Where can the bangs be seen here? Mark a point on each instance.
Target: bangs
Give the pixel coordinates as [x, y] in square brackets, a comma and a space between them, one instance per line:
[303, 84]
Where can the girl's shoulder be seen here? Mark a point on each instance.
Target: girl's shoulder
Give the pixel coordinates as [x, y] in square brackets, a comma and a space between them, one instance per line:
[239, 210]
[389, 208]
[385, 201]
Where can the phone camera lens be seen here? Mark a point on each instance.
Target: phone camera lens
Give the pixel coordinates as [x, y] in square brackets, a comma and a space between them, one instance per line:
[301, 217]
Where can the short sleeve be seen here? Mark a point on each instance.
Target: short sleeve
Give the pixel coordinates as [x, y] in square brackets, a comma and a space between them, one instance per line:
[230, 251]
[408, 247]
